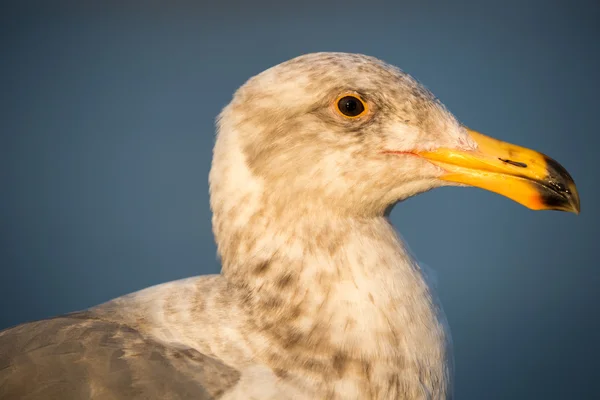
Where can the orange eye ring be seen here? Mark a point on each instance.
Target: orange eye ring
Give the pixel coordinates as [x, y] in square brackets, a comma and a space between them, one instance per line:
[351, 106]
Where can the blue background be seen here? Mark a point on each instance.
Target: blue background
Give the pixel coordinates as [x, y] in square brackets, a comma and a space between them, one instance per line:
[107, 126]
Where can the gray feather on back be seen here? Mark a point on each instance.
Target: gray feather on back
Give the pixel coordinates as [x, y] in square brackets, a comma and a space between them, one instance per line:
[80, 356]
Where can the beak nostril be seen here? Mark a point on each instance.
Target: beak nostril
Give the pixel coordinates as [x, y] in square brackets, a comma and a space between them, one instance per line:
[515, 163]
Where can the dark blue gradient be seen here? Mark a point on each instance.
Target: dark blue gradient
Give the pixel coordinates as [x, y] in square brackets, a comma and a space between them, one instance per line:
[107, 126]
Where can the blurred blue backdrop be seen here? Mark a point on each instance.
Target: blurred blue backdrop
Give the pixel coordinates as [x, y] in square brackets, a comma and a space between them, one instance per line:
[107, 126]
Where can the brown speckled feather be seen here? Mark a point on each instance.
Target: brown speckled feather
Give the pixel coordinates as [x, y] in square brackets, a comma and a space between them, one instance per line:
[80, 356]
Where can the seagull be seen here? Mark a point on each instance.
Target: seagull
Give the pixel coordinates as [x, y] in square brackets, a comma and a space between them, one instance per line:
[318, 297]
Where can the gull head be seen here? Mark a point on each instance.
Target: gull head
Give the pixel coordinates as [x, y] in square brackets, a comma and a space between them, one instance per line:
[349, 134]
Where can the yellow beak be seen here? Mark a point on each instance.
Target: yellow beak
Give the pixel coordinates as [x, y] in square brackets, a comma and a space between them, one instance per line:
[523, 175]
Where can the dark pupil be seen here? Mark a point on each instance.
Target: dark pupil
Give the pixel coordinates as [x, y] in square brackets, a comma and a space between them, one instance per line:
[350, 106]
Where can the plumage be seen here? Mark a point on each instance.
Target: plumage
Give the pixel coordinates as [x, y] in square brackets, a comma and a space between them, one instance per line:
[81, 356]
[318, 297]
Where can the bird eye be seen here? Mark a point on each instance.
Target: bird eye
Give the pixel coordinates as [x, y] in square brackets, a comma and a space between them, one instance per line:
[351, 106]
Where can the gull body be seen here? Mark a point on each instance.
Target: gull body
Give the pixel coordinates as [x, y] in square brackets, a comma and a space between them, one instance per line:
[318, 298]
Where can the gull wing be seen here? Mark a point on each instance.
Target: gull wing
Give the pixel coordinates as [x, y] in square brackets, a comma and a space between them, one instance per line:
[81, 356]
